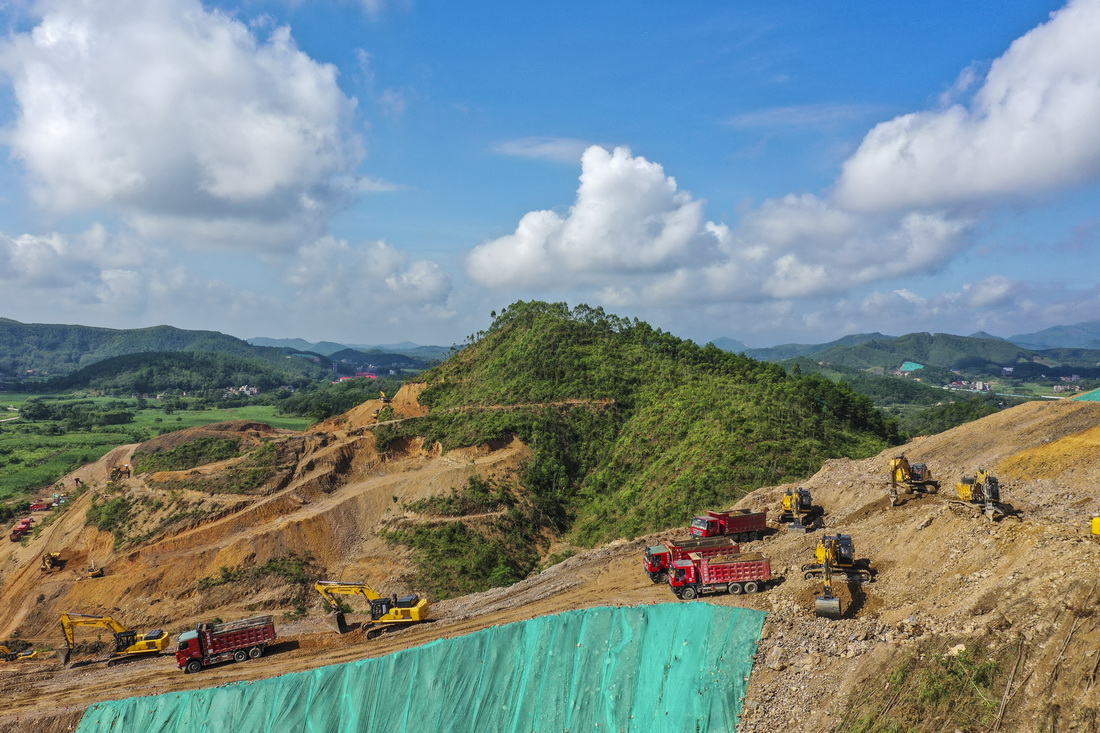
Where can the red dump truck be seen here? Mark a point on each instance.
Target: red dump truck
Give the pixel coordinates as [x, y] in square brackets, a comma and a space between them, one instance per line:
[213, 643]
[21, 530]
[744, 573]
[741, 524]
[659, 558]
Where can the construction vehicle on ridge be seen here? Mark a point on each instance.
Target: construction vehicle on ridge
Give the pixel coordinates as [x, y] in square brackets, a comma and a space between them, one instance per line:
[128, 643]
[385, 612]
[799, 509]
[735, 574]
[915, 477]
[741, 524]
[836, 553]
[983, 492]
[51, 561]
[659, 558]
[235, 640]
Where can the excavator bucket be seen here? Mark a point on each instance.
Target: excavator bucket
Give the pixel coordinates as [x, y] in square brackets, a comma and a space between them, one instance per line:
[341, 623]
[797, 527]
[828, 606]
[63, 655]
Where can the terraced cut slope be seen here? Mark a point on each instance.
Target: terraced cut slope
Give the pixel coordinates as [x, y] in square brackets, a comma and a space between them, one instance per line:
[969, 624]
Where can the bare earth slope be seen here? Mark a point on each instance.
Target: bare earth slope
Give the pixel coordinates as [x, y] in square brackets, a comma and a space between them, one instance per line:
[945, 574]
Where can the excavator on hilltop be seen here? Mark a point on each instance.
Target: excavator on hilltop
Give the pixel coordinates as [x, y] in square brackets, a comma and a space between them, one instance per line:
[386, 612]
[983, 492]
[128, 643]
[914, 477]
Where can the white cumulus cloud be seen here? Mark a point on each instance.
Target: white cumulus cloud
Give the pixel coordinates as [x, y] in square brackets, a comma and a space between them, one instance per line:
[333, 273]
[637, 239]
[1030, 127]
[181, 120]
[629, 217]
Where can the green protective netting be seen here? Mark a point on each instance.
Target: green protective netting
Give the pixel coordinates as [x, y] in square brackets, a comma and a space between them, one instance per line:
[1093, 396]
[666, 667]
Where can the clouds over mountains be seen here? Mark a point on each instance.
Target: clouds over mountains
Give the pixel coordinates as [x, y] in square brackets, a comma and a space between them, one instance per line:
[904, 203]
[181, 128]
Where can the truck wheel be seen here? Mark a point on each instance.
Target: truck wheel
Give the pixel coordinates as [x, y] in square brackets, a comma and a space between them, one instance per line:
[255, 652]
[193, 666]
[240, 655]
[754, 536]
[688, 593]
[750, 587]
[735, 589]
[663, 577]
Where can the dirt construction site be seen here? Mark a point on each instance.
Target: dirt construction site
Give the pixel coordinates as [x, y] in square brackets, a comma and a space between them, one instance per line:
[946, 578]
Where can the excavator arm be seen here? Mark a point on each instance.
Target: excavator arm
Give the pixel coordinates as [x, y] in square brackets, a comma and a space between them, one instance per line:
[329, 589]
[827, 605]
[385, 612]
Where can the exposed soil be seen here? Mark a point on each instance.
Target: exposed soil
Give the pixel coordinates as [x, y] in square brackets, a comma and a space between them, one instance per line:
[943, 572]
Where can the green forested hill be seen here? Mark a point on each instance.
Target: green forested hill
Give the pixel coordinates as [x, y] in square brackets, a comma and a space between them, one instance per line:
[634, 429]
[181, 370]
[56, 349]
[940, 349]
[792, 351]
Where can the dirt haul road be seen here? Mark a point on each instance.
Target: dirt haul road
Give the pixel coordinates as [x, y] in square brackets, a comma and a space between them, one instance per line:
[945, 576]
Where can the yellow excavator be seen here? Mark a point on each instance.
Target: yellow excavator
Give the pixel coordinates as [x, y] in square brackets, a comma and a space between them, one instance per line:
[915, 477]
[799, 509]
[836, 555]
[386, 612]
[7, 655]
[51, 561]
[983, 492]
[128, 643]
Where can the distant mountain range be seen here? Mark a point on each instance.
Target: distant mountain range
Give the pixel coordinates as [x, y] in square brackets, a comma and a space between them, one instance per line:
[329, 348]
[1084, 335]
[38, 350]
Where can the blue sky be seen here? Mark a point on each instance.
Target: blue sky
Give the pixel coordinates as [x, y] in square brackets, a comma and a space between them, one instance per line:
[377, 171]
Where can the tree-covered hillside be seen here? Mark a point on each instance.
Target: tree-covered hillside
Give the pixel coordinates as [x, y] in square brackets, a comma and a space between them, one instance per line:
[940, 349]
[633, 429]
[186, 371]
[55, 349]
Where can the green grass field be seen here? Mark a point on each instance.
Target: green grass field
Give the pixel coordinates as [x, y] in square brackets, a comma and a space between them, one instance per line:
[34, 455]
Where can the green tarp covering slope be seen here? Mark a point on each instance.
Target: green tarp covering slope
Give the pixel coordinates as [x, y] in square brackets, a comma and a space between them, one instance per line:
[1093, 396]
[666, 667]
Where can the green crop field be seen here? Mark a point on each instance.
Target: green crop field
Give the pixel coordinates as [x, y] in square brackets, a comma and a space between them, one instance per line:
[35, 454]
